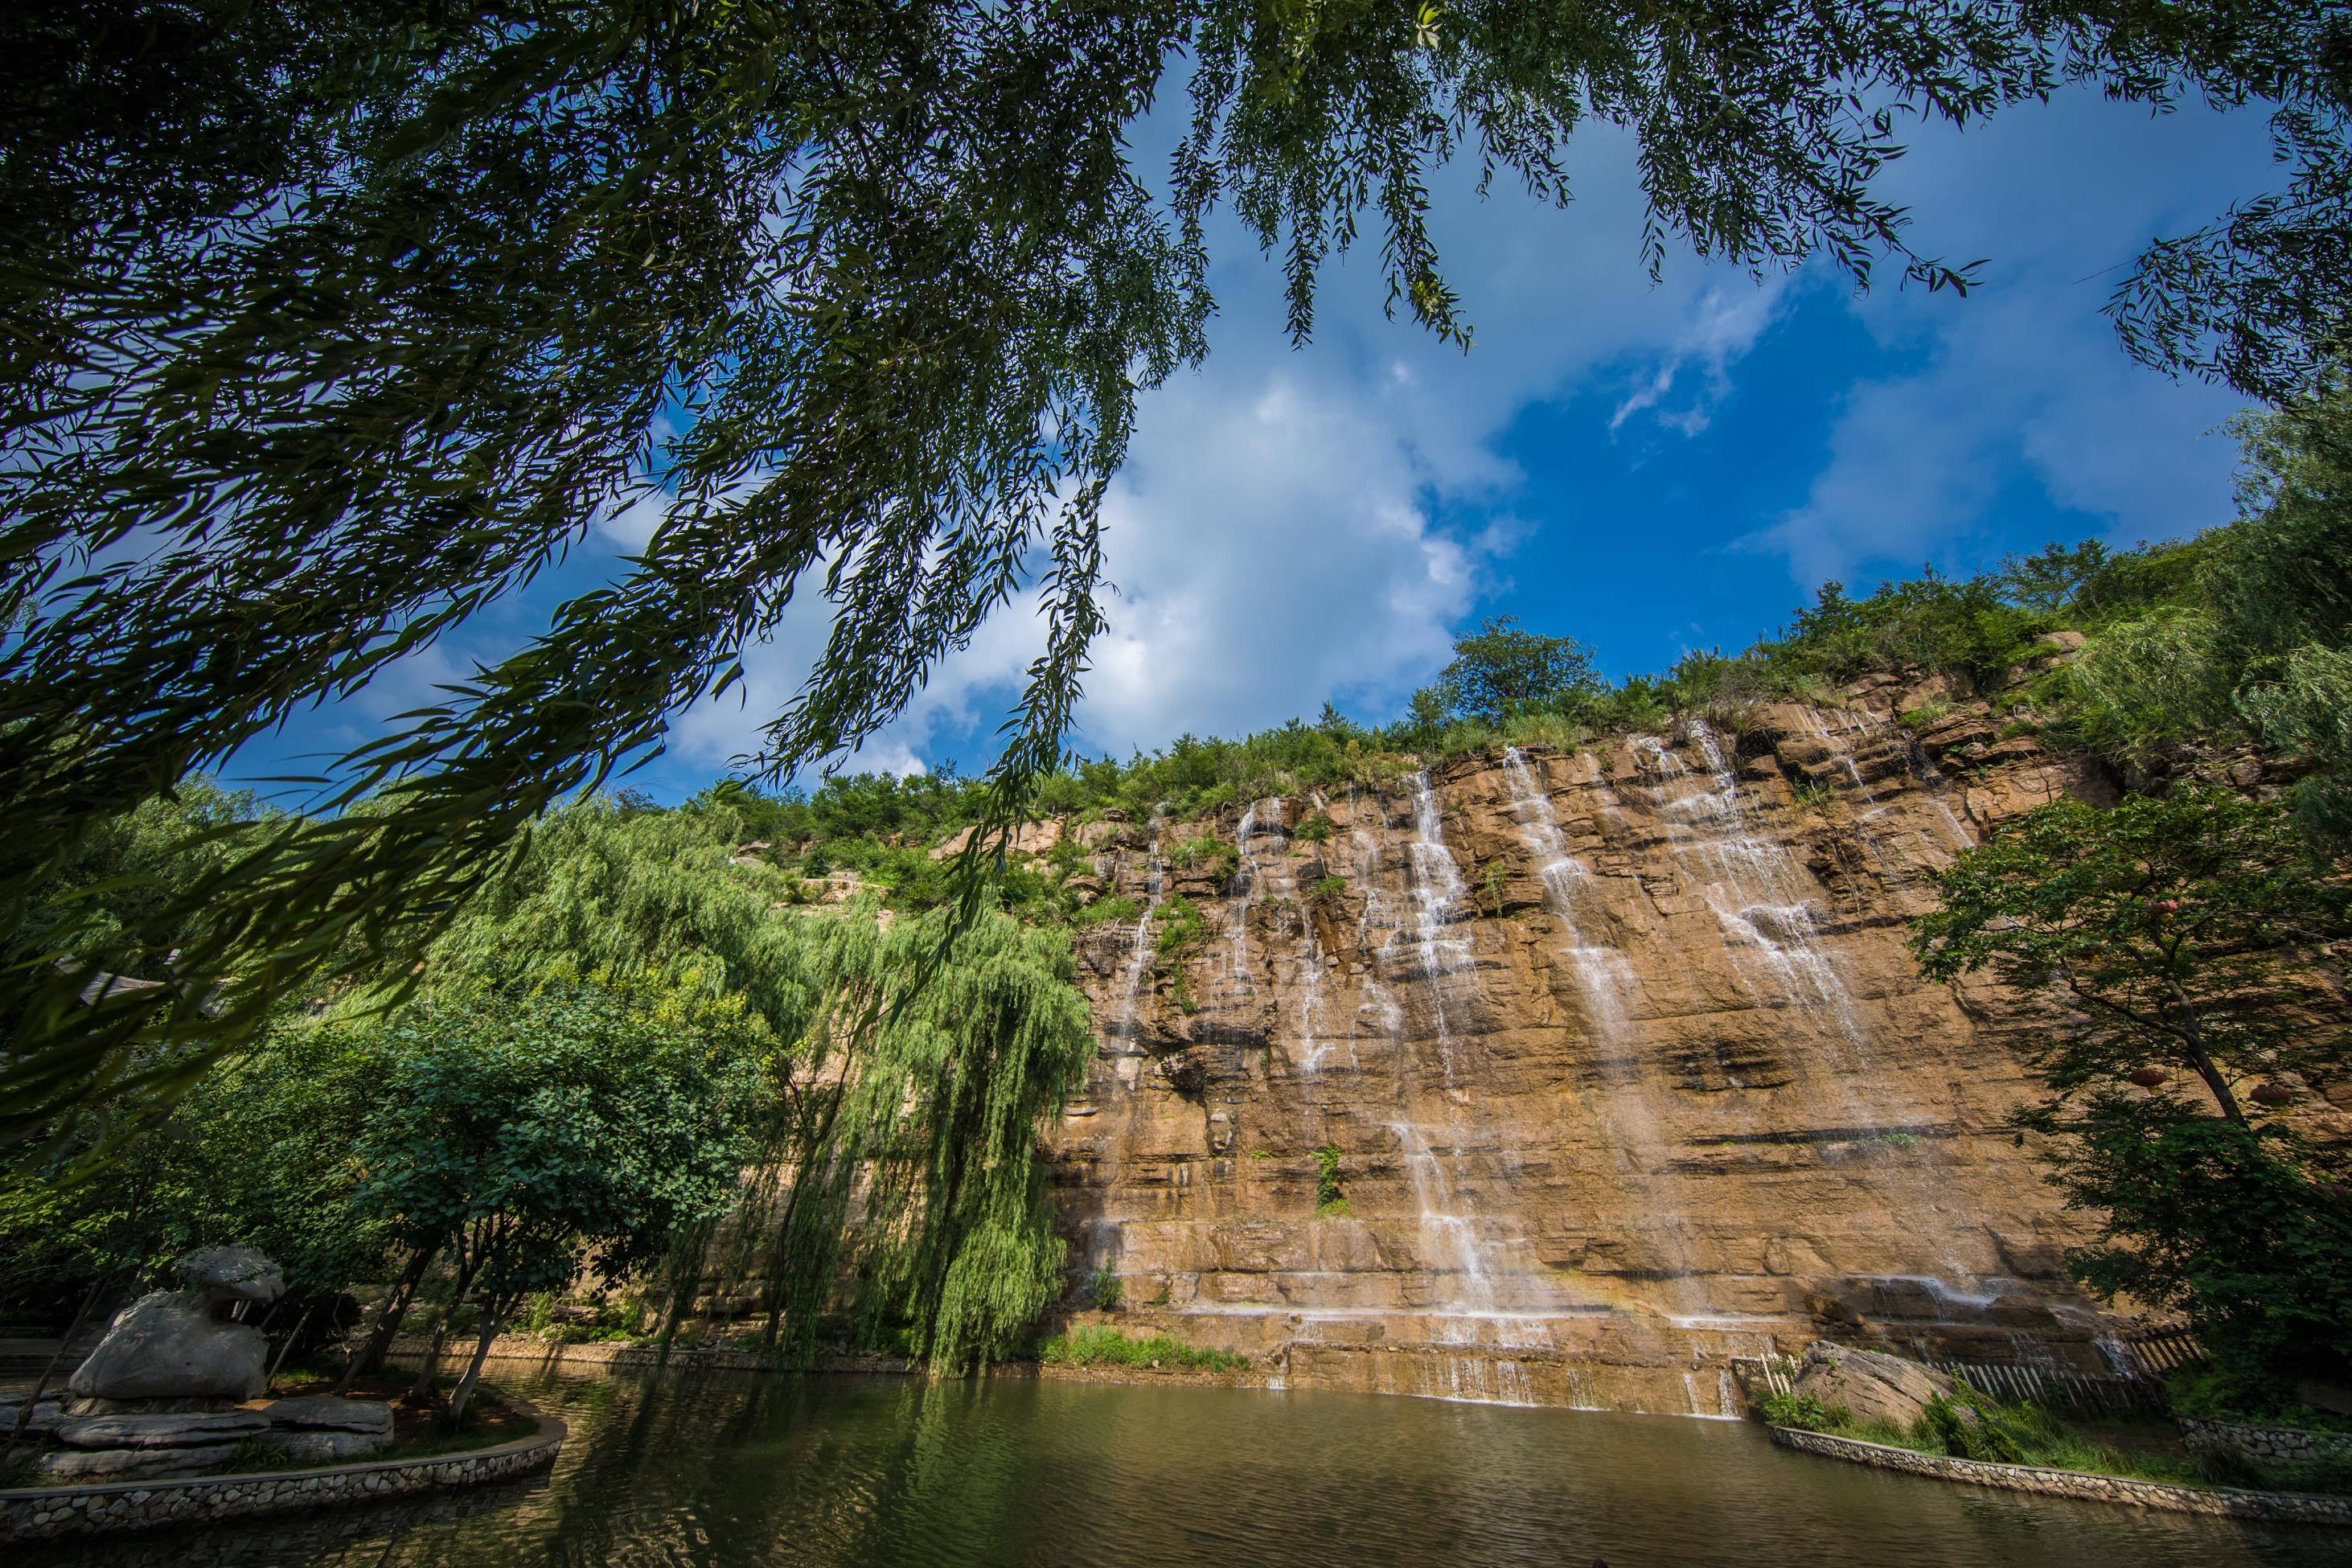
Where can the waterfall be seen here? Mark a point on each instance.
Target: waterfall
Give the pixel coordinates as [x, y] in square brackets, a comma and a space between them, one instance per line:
[1751, 885]
[1606, 977]
[1748, 882]
[1378, 999]
[1446, 1235]
[1436, 894]
[1139, 947]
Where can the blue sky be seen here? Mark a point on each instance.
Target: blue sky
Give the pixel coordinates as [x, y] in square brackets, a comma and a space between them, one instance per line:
[1649, 468]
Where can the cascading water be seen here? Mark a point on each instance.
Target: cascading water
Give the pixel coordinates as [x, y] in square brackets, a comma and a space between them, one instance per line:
[1606, 978]
[1436, 894]
[1750, 884]
[1447, 1235]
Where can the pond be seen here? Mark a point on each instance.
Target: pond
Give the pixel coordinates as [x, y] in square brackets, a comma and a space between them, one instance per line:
[747, 1471]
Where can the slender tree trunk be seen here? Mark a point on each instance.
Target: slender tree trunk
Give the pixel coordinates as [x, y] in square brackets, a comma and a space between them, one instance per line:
[2193, 1040]
[432, 1368]
[687, 1280]
[50, 1368]
[283, 1350]
[773, 1331]
[493, 1319]
[387, 1326]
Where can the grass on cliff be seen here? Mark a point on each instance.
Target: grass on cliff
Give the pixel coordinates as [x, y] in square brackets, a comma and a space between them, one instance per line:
[1107, 1347]
[2029, 1435]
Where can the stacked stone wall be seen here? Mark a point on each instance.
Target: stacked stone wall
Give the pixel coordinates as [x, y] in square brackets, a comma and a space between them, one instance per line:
[2276, 1508]
[56, 1514]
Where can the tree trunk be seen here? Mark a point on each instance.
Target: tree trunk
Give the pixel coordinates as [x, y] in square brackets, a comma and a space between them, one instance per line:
[395, 1308]
[283, 1350]
[683, 1287]
[2193, 1040]
[432, 1368]
[493, 1319]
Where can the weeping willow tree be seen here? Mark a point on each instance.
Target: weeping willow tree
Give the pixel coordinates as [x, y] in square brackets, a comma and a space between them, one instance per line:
[907, 1065]
[913, 1174]
[325, 322]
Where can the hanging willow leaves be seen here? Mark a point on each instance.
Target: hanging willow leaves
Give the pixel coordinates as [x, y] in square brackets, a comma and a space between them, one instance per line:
[930, 1125]
[325, 324]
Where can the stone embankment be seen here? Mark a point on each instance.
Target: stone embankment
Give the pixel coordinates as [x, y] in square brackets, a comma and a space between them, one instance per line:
[2276, 1508]
[57, 1513]
[2269, 1447]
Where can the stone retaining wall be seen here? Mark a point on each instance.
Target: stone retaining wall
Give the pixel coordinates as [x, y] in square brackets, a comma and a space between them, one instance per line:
[2278, 1508]
[51, 1513]
[2271, 1447]
[625, 1355]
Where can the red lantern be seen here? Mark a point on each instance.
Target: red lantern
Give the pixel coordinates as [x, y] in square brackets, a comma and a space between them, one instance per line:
[2164, 905]
[2148, 1077]
[2272, 1094]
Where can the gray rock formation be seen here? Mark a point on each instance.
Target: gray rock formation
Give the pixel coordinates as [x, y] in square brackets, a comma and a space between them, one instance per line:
[1871, 1385]
[75, 1467]
[168, 1345]
[224, 1274]
[47, 1413]
[316, 1447]
[328, 1413]
[181, 1430]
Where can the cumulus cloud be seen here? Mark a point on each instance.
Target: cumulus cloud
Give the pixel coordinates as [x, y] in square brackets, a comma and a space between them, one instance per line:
[1298, 525]
[2024, 378]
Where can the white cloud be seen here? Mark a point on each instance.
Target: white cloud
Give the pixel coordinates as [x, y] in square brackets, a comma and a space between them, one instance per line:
[1725, 324]
[2025, 375]
[1281, 534]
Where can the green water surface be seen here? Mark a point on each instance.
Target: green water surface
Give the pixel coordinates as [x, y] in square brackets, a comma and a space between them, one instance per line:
[746, 1471]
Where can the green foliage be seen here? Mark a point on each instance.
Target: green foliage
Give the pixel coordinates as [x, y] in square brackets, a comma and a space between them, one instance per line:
[1207, 853]
[856, 302]
[1109, 1347]
[1500, 672]
[1313, 827]
[1181, 930]
[2173, 936]
[1328, 1193]
[538, 1132]
[1107, 1292]
[962, 1038]
[1804, 1412]
[2174, 926]
[1328, 890]
[1117, 910]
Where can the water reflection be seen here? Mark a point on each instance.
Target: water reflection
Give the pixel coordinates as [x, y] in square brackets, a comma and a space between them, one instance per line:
[725, 1471]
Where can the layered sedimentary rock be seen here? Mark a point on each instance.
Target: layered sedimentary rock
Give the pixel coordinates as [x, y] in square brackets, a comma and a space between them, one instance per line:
[1622, 1058]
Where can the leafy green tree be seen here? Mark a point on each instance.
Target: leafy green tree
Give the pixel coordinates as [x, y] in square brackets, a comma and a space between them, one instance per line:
[532, 1135]
[2172, 944]
[936, 1107]
[1501, 671]
[853, 300]
[2281, 586]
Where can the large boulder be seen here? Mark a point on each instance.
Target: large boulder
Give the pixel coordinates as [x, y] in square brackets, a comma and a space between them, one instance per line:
[47, 1413]
[328, 1413]
[167, 1345]
[314, 1448]
[77, 1467]
[231, 1274]
[187, 1429]
[1873, 1385]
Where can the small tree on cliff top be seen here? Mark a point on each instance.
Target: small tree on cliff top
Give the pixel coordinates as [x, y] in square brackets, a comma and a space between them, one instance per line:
[2174, 938]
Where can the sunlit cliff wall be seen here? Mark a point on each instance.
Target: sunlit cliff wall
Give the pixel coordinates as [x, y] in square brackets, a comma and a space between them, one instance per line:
[1625, 1063]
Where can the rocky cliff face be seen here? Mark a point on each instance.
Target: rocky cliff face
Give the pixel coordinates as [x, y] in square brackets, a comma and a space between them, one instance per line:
[1624, 1065]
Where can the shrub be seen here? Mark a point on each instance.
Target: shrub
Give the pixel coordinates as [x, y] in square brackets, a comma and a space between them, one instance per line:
[1119, 909]
[1107, 1289]
[1109, 1347]
[1313, 827]
[1329, 1197]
